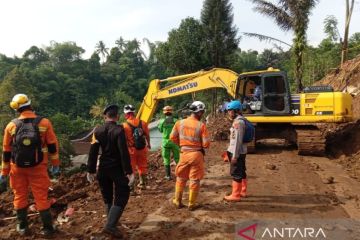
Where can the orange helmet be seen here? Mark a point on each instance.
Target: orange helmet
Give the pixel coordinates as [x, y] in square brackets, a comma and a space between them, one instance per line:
[167, 109]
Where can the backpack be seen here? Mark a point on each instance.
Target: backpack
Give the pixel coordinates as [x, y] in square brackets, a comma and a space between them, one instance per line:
[139, 136]
[26, 144]
[249, 131]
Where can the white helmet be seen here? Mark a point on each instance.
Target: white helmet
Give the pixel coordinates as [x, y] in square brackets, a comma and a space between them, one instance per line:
[197, 106]
[20, 100]
[128, 108]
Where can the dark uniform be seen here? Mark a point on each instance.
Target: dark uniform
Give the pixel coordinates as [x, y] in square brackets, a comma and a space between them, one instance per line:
[114, 163]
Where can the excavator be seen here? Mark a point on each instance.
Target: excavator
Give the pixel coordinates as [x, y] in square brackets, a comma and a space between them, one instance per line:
[275, 112]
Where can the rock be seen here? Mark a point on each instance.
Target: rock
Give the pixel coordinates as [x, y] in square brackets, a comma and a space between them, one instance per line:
[270, 166]
[329, 180]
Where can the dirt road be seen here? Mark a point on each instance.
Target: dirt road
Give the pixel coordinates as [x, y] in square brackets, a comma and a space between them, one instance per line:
[282, 185]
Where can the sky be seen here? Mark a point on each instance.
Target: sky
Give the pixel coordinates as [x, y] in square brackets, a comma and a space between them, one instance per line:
[25, 23]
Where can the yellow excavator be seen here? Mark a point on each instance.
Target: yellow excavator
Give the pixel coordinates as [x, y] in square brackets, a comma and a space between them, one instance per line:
[270, 106]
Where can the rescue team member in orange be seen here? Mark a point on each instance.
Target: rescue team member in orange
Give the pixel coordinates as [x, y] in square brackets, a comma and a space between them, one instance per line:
[138, 140]
[28, 142]
[192, 136]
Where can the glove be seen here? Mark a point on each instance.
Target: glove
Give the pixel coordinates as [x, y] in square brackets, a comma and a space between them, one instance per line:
[131, 178]
[90, 177]
[55, 170]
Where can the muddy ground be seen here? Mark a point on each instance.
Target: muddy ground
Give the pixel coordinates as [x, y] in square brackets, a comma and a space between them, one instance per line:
[282, 185]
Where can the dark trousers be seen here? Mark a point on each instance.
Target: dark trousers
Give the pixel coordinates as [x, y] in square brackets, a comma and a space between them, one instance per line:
[112, 179]
[238, 169]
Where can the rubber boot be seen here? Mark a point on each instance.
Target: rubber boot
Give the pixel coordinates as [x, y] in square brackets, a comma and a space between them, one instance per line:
[243, 188]
[22, 225]
[235, 195]
[193, 194]
[112, 220]
[107, 208]
[142, 184]
[178, 195]
[48, 228]
[167, 172]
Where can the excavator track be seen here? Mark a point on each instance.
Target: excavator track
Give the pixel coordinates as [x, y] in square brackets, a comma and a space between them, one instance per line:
[310, 141]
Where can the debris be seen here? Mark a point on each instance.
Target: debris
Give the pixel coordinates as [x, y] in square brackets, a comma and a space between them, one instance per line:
[270, 166]
[329, 180]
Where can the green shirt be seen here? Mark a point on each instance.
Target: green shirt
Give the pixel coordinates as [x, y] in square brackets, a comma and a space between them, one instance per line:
[165, 126]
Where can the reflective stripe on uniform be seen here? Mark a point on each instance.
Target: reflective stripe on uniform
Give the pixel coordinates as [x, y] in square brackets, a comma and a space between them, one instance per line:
[54, 157]
[45, 150]
[196, 138]
[42, 129]
[190, 148]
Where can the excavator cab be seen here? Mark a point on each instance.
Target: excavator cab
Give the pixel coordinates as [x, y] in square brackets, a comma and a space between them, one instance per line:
[265, 93]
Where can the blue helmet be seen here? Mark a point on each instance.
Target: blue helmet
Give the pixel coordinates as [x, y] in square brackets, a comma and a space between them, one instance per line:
[234, 105]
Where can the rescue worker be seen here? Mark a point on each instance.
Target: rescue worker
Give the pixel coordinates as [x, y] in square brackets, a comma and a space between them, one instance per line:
[167, 147]
[192, 136]
[114, 172]
[237, 152]
[29, 142]
[138, 140]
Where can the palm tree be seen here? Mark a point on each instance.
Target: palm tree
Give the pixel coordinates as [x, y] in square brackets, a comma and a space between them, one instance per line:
[290, 15]
[121, 43]
[102, 49]
[97, 109]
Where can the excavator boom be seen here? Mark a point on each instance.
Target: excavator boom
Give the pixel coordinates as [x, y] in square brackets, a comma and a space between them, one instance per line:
[185, 84]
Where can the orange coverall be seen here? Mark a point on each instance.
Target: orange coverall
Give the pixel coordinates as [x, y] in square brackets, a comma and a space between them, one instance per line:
[192, 136]
[138, 157]
[37, 177]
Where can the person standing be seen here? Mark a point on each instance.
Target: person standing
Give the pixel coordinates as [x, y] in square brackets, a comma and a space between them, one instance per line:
[29, 142]
[237, 152]
[167, 147]
[192, 137]
[138, 139]
[114, 172]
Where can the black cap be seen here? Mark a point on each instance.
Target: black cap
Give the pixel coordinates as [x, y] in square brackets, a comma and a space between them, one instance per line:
[110, 107]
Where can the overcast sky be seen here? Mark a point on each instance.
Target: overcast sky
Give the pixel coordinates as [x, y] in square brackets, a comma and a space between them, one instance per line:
[24, 23]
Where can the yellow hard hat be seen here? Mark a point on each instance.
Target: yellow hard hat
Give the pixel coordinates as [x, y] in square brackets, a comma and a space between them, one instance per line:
[167, 109]
[19, 100]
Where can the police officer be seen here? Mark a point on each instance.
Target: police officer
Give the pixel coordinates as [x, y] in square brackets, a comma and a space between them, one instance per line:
[114, 172]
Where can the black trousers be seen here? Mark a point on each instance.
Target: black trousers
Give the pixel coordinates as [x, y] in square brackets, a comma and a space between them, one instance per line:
[238, 169]
[111, 179]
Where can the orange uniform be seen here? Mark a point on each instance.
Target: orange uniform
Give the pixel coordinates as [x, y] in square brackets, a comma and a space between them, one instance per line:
[34, 177]
[192, 136]
[138, 157]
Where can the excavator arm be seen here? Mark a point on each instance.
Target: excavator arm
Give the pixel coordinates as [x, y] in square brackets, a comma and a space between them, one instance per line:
[185, 84]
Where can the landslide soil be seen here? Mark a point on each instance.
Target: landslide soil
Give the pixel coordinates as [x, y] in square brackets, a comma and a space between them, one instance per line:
[282, 185]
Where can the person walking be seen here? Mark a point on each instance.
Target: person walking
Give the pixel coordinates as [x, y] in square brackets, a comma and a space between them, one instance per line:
[138, 139]
[165, 126]
[29, 142]
[192, 137]
[237, 152]
[114, 171]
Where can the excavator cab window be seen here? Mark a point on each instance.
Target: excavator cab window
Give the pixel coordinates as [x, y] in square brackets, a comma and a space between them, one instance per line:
[265, 94]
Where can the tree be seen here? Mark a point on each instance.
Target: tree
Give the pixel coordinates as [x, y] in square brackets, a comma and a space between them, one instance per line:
[331, 28]
[102, 49]
[220, 33]
[348, 13]
[184, 51]
[290, 15]
[121, 44]
[221, 40]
